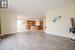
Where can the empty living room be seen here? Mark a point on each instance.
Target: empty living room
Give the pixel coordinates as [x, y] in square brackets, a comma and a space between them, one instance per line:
[37, 24]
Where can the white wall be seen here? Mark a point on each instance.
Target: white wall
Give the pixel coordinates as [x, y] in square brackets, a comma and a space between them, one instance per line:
[8, 22]
[61, 27]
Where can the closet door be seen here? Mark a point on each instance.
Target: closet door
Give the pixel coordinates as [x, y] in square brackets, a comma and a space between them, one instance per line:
[8, 22]
[0, 25]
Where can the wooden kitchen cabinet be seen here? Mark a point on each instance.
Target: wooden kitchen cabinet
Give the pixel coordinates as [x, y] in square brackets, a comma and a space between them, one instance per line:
[31, 24]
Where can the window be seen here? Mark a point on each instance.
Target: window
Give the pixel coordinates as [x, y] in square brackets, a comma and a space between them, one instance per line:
[3, 3]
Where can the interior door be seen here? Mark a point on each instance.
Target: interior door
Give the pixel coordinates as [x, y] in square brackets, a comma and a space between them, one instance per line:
[73, 22]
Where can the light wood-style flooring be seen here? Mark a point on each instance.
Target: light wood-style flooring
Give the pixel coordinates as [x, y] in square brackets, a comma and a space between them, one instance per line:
[36, 41]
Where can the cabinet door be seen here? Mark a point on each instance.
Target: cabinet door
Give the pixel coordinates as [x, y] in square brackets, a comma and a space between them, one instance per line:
[30, 23]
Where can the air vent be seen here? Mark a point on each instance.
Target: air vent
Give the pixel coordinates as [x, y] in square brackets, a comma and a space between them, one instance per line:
[3, 3]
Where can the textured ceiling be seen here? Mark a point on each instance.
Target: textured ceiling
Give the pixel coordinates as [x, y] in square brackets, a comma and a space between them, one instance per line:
[36, 7]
